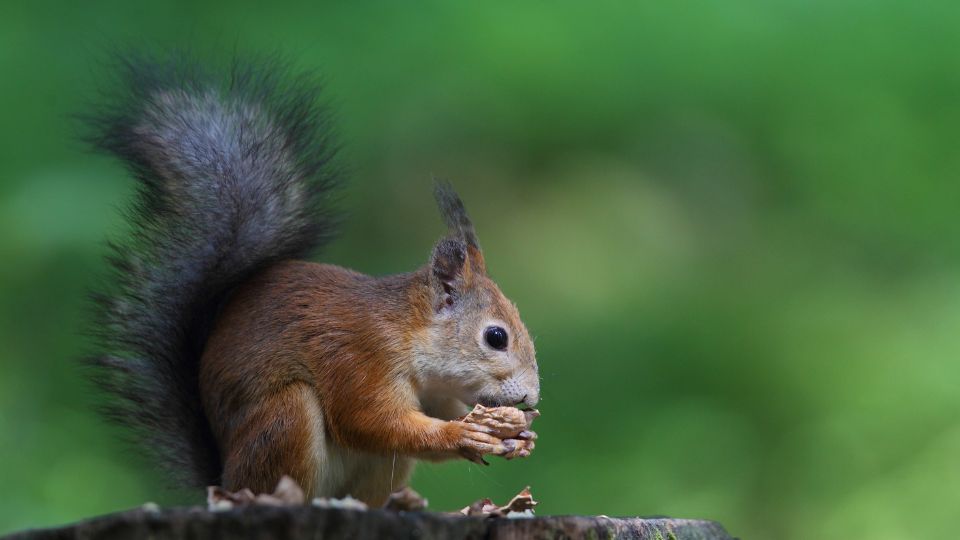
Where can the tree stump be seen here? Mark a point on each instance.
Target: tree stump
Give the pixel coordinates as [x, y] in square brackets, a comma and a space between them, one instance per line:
[305, 522]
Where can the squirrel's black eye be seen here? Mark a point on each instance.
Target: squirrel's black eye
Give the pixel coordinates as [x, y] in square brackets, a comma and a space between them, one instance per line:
[496, 337]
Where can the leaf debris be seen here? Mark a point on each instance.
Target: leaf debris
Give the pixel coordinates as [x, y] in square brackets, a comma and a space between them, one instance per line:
[521, 505]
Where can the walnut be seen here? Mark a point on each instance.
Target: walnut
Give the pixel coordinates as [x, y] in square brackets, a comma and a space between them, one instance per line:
[510, 424]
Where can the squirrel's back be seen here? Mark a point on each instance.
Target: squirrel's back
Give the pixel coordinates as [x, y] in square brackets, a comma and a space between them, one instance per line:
[234, 170]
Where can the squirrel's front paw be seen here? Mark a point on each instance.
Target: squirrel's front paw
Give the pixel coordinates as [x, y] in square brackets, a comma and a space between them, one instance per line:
[475, 440]
[519, 447]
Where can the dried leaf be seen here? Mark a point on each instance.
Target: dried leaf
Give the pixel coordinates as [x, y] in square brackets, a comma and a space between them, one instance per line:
[521, 505]
[482, 507]
[521, 502]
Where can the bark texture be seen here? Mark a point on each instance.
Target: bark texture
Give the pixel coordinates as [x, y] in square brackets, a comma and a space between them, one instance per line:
[334, 524]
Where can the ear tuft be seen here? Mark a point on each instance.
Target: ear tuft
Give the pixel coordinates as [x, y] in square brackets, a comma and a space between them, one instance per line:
[454, 213]
[458, 223]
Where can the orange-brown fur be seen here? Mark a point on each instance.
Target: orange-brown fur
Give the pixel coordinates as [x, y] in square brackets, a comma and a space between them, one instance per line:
[309, 354]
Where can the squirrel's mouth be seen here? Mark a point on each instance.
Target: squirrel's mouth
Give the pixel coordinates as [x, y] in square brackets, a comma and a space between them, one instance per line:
[488, 401]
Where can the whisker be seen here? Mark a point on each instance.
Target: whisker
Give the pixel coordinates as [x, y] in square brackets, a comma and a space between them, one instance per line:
[392, 468]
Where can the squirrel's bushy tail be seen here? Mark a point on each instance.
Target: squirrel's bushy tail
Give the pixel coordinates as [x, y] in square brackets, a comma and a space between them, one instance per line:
[234, 170]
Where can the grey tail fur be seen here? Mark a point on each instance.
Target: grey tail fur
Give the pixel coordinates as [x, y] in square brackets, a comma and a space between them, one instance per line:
[234, 173]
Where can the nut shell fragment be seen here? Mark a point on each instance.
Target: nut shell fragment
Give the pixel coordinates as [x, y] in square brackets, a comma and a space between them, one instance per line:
[405, 500]
[287, 493]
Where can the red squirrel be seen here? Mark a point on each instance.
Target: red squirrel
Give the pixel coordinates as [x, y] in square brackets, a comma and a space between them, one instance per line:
[234, 361]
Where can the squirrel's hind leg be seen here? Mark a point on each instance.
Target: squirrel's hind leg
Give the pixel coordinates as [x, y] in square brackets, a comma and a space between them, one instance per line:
[280, 435]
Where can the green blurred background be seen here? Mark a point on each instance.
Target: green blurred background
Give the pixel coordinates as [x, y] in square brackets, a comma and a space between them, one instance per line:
[733, 227]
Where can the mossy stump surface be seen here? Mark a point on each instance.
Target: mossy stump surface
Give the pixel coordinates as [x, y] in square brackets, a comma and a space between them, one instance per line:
[323, 523]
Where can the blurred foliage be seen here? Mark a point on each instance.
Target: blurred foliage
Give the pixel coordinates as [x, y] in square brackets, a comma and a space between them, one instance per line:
[732, 227]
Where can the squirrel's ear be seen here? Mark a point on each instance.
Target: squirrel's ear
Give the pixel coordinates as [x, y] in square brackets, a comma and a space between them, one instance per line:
[450, 272]
[458, 222]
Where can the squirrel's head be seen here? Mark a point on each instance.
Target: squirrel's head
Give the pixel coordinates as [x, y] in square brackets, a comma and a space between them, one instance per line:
[477, 349]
